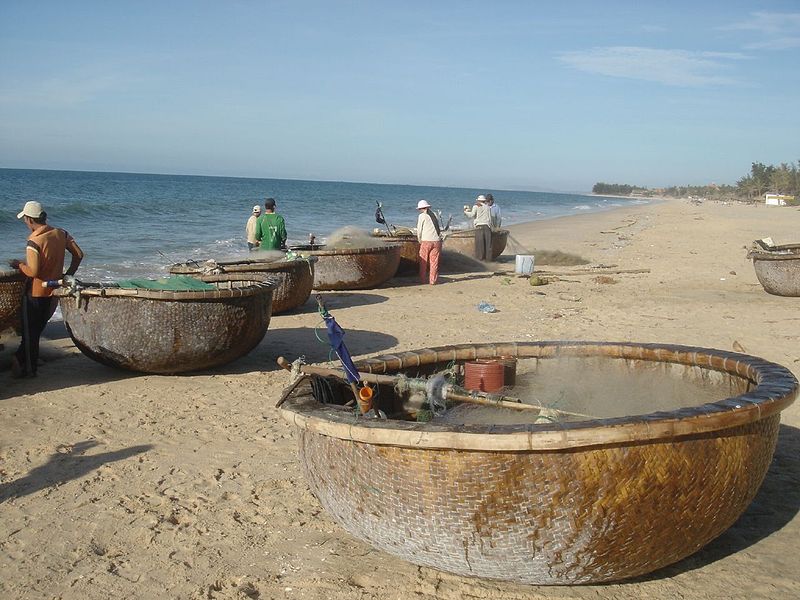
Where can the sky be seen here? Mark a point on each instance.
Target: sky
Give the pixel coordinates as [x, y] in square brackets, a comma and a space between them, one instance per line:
[508, 95]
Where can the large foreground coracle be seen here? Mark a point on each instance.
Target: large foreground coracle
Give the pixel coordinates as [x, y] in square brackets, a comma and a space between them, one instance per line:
[156, 331]
[646, 456]
[12, 287]
[352, 268]
[777, 268]
[463, 241]
[293, 279]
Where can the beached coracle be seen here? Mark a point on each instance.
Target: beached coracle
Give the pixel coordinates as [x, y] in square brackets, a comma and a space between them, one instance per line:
[463, 241]
[550, 501]
[293, 279]
[12, 287]
[409, 249]
[352, 268]
[156, 331]
[777, 268]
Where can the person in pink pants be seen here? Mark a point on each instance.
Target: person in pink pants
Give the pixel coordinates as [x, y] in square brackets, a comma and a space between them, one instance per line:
[430, 243]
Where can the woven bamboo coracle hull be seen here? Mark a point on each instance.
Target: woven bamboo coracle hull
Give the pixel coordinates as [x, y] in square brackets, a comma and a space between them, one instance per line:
[559, 503]
[352, 268]
[168, 332]
[778, 271]
[463, 242]
[409, 251]
[12, 287]
[293, 279]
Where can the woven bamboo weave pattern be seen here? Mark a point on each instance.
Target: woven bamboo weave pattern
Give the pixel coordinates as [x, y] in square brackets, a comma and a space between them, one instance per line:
[778, 269]
[293, 279]
[168, 332]
[584, 501]
[409, 250]
[463, 242]
[353, 268]
[542, 518]
[12, 286]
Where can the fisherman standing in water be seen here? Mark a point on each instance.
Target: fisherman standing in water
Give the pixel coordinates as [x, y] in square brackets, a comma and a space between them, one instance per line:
[44, 261]
[250, 228]
[271, 228]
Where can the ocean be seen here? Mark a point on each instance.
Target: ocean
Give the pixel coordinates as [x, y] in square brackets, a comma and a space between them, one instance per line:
[136, 225]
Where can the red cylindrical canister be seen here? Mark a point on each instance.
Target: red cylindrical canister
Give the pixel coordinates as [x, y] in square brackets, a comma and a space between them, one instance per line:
[509, 370]
[484, 375]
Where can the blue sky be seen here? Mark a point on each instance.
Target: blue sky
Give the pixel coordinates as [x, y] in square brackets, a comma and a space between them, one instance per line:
[508, 95]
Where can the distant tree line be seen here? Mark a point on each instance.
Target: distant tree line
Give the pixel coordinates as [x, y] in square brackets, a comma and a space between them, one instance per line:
[618, 189]
[783, 179]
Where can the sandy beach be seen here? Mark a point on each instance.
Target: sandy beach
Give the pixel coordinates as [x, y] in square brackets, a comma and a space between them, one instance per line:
[116, 485]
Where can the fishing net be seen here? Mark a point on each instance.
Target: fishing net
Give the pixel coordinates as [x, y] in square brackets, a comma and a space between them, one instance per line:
[177, 283]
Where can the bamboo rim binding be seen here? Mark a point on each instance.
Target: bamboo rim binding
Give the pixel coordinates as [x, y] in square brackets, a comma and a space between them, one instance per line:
[250, 286]
[775, 388]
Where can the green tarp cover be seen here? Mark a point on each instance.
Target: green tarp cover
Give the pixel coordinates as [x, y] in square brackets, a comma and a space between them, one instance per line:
[176, 283]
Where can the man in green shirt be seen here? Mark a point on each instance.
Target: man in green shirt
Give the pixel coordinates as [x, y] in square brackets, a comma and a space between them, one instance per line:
[270, 228]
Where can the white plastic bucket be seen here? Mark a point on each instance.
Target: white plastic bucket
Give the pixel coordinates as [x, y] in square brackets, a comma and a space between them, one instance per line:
[524, 265]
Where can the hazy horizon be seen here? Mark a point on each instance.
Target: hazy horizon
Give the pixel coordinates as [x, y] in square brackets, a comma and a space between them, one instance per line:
[387, 183]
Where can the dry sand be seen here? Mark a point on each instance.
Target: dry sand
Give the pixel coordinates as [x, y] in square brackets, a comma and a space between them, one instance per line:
[122, 486]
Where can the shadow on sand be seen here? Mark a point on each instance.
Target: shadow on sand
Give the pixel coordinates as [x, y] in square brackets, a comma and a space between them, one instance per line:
[62, 366]
[290, 342]
[336, 300]
[293, 342]
[775, 505]
[69, 463]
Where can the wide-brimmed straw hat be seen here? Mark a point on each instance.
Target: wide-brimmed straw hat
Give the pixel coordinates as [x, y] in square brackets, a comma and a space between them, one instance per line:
[31, 209]
[423, 204]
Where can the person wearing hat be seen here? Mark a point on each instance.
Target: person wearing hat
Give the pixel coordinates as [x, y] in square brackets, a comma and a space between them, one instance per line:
[44, 261]
[270, 228]
[482, 216]
[250, 230]
[429, 235]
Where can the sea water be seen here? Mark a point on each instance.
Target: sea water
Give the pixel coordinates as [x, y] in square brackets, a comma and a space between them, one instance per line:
[136, 225]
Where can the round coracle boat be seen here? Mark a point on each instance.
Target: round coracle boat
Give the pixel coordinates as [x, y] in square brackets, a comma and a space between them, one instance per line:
[158, 331]
[777, 268]
[12, 288]
[352, 268]
[650, 454]
[409, 248]
[463, 241]
[293, 279]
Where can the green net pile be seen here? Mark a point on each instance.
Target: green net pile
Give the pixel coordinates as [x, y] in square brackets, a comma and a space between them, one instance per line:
[174, 283]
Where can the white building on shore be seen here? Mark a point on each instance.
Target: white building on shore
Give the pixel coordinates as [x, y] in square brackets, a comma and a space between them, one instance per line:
[778, 199]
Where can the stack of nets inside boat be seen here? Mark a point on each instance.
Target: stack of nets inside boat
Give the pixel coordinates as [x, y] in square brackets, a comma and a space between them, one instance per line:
[402, 231]
[350, 237]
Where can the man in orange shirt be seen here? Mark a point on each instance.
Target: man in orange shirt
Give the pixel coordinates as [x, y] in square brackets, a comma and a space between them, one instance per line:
[44, 261]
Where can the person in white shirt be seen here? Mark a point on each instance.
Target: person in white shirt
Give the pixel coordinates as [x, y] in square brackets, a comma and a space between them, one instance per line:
[494, 210]
[250, 230]
[483, 227]
[429, 236]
